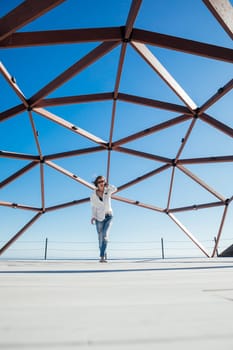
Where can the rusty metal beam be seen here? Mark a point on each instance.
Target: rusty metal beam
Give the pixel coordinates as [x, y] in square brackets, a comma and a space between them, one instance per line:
[18, 206]
[204, 160]
[185, 139]
[183, 45]
[155, 64]
[76, 68]
[133, 12]
[58, 101]
[35, 133]
[217, 124]
[20, 232]
[223, 12]
[196, 207]
[152, 129]
[42, 189]
[69, 174]
[170, 188]
[23, 14]
[220, 231]
[11, 112]
[115, 94]
[66, 36]
[201, 182]
[12, 82]
[17, 174]
[68, 204]
[217, 96]
[73, 153]
[150, 156]
[69, 125]
[4, 154]
[153, 103]
[137, 203]
[142, 177]
[189, 234]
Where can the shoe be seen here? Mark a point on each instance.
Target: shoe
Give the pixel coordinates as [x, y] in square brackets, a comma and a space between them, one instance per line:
[102, 260]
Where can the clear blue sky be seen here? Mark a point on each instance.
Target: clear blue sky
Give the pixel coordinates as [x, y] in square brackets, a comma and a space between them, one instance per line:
[34, 67]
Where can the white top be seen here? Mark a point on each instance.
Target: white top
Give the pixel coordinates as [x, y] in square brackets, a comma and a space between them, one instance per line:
[101, 208]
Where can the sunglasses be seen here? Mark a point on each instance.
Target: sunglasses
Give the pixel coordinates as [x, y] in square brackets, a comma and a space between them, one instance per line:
[100, 182]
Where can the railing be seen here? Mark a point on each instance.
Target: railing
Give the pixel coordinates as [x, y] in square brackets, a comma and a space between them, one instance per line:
[156, 249]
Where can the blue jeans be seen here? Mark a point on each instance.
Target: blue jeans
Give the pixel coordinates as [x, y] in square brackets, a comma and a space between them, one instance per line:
[103, 228]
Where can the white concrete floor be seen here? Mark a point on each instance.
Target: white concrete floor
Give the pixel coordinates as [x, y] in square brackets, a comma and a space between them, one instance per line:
[154, 304]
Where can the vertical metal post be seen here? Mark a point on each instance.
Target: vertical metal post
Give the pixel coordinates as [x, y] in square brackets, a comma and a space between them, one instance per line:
[46, 248]
[215, 239]
[162, 246]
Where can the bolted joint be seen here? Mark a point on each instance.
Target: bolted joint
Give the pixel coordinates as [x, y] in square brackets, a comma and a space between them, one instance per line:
[227, 201]
[173, 162]
[109, 148]
[29, 109]
[196, 115]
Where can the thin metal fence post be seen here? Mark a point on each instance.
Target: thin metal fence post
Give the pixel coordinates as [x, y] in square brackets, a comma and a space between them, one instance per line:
[162, 246]
[46, 248]
[215, 240]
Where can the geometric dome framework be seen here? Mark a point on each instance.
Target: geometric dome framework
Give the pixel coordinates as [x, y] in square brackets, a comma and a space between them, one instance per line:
[186, 114]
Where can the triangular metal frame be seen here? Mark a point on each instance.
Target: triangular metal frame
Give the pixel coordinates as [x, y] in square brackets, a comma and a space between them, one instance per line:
[111, 38]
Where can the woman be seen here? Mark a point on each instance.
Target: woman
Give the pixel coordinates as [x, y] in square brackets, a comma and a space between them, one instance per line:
[102, 214]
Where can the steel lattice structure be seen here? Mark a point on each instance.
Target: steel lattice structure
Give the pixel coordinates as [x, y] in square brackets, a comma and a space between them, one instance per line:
[109, 39]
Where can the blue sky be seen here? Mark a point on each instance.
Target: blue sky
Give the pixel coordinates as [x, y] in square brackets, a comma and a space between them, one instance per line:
[136, 231]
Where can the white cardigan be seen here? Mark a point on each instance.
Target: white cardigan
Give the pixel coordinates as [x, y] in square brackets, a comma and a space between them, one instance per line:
[101, 208]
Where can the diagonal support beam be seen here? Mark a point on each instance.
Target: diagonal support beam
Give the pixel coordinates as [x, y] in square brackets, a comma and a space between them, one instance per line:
[189, 234]
[66, 36]
[73, 153]
[216, 97]
[58, 101]
[143, 177]
[69, 174]
[217, 124]
[54, 118]
[153, 103]
[22, 156]
[11, 112]
[200, 182]
[152, 130]
[223, 12]
[164, 74]
[11, 81]
[19, 206]
[183, 45]
[18, 174]
[220, 231]
[68, 204]
[133, 12]
[204, 160]
[26, 12]
[13, 239]
[76, 68]
[145, 155]
[137, 203]
[196, 207]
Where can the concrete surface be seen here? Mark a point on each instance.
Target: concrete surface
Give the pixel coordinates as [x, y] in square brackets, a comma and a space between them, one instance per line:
[151, 304]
